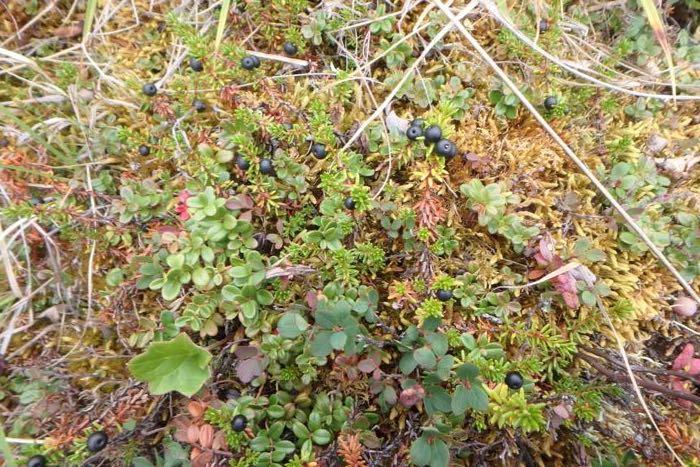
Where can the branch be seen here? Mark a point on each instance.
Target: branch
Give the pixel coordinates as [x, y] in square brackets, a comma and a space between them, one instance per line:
[645, 383]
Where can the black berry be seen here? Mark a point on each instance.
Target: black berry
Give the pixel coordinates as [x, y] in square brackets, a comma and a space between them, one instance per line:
[242, 163]
[256, 60]
[414, 132]
[514, 380]
[290, 49]
[97, 441]
[319, 150]
[444, 295]
[419, 122]
[266, 167]
[144, 150]
[36, 461]
[149, 89]
[196, 64]
[445, 148]
[550, 102]
[432, 134]
[199, 106]
[544, 25]
[239, 423]
[349, 203]
[249, 62]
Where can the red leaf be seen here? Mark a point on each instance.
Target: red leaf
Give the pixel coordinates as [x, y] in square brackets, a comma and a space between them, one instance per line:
[411, 396]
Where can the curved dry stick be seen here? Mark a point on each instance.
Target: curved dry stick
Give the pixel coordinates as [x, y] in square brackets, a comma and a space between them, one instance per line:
[493, 9]
[567, 150]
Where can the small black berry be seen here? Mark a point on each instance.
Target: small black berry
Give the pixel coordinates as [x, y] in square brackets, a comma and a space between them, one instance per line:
[445, 148]
[444, 295]
[414, 132]
[248, 63]
[266, 167]
[149, 89]
[290, 49]
[514, 380]
[36, 461]
[349, 203]
[319, 150]
[199, 106]
[544, 25]
[196, 64]
[550, 102]
[419, 122]
[144, 150]
[239, 423]
[432, 134]
[242, 163]
[256, 60]
[97, 441]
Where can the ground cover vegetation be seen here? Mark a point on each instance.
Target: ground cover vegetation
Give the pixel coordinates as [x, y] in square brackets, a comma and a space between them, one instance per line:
[299, 233]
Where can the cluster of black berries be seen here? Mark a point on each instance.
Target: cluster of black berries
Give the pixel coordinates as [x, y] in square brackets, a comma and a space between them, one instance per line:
[432, 135]
[250, 62]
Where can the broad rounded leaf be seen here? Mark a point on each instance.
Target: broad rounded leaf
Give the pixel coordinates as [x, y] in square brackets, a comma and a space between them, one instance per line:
[176, 365]
[425, 358]
[292, 325]
[420, 451]
[321, 436]
[338, 340]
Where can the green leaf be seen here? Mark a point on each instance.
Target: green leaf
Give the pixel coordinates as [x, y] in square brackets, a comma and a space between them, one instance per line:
[338, 340]
[321, 345]
[300, 430]
[438, 342]
[439, 454]
[292, 325]
[176, 365]
[170, 290]
[321, 436]
[460, 400]
[425, 358]
[407, 363]
[420, 451]
[588, 298]
[467, 371]
[473, 397]
[200, 277]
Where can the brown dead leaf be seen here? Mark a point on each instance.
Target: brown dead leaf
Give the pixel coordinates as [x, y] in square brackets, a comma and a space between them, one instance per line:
[192, 434]
[196, 408]
[66, 32]
[206, 435]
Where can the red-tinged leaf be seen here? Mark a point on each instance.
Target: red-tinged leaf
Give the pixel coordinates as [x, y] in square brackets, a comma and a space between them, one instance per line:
[536, 273]
[367, 365]
[247, 351]
[546, 248]
[311, 299]
[566, 286]
[411, 396]
[240, 202]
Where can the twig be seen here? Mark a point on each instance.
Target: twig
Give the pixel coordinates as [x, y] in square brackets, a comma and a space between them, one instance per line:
[641, 369]
[645, 383]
